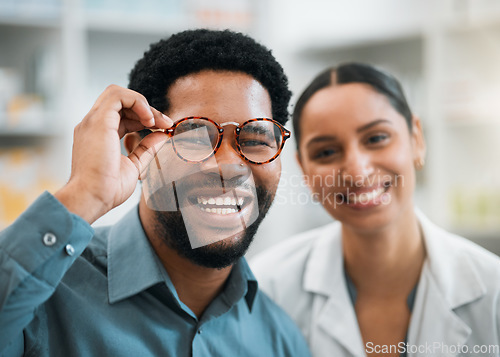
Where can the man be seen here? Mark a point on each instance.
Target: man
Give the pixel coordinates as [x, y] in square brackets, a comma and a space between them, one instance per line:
[169, 278]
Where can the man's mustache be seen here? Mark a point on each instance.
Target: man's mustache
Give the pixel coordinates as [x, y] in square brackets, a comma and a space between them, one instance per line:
[166, 195]
[225, 179]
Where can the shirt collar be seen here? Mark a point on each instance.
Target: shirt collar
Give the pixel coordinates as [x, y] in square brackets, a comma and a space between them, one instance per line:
[241, 283]
[133, 266]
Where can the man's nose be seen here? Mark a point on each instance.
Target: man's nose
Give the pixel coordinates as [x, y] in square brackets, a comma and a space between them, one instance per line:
[228, 163]
[357, 166]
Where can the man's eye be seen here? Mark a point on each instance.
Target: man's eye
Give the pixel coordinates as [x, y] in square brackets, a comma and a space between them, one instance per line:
[196, 140]
[254, 143]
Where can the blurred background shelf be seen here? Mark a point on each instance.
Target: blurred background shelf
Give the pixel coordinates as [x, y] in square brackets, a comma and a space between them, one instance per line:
[27, 134]
[30, 22]
[137, 23]
[59, 55]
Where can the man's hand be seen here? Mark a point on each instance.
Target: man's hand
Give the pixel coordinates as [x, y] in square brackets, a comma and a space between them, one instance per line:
[101, 177]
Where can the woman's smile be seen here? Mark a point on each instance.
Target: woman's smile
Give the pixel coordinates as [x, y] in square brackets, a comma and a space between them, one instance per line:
[353, 131]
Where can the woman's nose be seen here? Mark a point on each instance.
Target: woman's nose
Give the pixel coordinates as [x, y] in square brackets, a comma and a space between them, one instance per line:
[357, 166]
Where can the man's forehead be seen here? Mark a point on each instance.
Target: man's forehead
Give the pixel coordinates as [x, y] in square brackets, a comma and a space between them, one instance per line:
[219, 95]
[204, 79]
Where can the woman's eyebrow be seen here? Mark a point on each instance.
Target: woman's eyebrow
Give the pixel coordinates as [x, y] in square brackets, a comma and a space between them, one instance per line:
[372, 124]
[320, 139]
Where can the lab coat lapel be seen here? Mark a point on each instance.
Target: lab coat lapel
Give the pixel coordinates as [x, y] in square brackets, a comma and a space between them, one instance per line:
[435, 329]
[332, 308]
[448, 281]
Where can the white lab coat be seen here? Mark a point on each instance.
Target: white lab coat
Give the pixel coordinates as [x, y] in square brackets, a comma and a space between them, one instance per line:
[457, 301]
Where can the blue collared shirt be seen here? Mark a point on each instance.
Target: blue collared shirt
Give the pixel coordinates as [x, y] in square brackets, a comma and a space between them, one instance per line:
[59, 297]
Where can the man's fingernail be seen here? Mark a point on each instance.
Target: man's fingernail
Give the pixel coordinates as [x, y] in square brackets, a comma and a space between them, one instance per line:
[152, 121]
[168, 119]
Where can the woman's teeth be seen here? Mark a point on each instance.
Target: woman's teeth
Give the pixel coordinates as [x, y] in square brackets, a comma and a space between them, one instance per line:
[366, 196]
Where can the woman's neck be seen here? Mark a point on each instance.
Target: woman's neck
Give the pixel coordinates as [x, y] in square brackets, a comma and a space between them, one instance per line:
[385, 261]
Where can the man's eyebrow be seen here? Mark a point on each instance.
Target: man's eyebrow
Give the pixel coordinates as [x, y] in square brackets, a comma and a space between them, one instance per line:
[372, 124]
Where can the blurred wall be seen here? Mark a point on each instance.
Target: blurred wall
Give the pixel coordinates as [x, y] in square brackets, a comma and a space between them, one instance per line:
[63, 53]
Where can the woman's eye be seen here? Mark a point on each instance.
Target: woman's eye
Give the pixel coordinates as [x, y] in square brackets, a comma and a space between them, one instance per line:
[325, 153]
[375, 139]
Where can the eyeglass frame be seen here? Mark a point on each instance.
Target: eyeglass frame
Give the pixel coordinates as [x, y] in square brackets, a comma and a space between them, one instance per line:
[285, 133]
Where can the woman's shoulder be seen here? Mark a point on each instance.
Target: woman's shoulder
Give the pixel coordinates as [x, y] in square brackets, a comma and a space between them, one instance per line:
[292, 251]
[454, 250]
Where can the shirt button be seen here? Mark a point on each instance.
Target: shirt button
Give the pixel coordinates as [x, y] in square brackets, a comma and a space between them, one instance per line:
[199, 331]
[69, 250]
[49, 239]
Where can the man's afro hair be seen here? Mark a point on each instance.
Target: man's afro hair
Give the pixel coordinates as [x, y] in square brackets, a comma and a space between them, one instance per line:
[192, 51]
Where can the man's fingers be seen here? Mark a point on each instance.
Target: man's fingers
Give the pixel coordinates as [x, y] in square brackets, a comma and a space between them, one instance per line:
[129, 126]
[118, 108]
[147, 149]
[117, 100]
[161, 120]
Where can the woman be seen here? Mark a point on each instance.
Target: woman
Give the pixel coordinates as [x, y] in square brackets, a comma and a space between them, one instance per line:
[382, 280]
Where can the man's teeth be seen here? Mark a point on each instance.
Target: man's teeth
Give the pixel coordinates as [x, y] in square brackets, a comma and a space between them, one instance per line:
[219, 210]
[219, 201]
[366, 196]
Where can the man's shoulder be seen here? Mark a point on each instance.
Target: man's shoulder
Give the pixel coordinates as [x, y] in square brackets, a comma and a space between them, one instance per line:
[280, 324]
[274, 314]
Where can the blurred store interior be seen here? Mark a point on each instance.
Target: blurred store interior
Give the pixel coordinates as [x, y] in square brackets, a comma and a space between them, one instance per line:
[57, 56]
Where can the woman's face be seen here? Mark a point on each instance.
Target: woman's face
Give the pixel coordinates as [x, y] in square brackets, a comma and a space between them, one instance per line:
[358, 155]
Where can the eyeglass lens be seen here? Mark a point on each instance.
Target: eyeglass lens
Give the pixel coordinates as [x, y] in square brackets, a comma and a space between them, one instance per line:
[196, 139]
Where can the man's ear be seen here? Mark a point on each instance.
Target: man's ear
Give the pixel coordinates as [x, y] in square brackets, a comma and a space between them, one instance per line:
[130, 141]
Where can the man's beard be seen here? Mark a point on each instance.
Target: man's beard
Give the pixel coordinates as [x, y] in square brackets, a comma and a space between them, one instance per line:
[170, 226]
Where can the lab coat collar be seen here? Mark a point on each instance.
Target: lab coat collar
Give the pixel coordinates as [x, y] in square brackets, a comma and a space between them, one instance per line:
[435, 329]
[325, 261]
[456, 278]
[448, 281]
[324, 275]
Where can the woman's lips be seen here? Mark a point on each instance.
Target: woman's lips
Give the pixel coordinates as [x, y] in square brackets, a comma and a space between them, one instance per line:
[364, 196]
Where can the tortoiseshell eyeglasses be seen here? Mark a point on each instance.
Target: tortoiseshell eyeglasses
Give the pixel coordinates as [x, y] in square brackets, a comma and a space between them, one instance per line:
[258, 141]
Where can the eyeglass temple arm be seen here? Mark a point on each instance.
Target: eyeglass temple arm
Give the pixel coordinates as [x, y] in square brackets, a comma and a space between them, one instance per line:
[168, 131]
